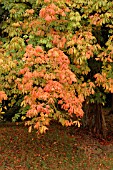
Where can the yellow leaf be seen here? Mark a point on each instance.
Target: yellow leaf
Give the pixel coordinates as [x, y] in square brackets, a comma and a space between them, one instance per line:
[23, 117]
[43, 129]
[30, 128]
[1, 61]
[77, 123]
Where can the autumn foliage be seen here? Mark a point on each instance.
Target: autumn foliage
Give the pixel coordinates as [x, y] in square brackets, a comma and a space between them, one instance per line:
[48, 85]
[57, 58]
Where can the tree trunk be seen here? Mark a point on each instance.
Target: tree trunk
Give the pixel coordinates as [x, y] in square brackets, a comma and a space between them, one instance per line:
[111, 110]
[94, 119]
[112, 101]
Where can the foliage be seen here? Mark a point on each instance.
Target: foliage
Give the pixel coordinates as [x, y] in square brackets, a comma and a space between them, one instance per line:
[48, 85]
[57, 56]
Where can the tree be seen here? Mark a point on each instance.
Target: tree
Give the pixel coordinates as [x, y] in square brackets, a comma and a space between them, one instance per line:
[62, 57]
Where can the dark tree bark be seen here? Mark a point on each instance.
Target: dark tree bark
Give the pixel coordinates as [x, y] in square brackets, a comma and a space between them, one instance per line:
[94, 119]
[111, 110]
[111, 105]
[112, 101]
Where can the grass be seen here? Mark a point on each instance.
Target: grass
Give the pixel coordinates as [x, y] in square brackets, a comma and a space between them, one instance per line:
[58, 149]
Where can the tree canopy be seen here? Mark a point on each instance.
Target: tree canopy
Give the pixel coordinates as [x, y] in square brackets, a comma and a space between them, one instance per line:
[55, 55]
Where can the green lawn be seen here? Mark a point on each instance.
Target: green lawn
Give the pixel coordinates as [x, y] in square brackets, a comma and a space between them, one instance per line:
[58, 149]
